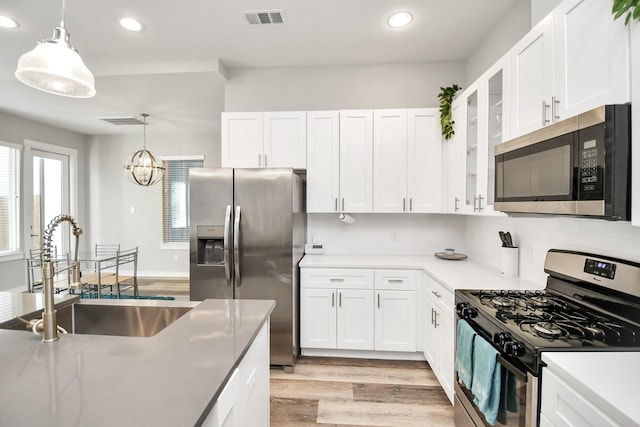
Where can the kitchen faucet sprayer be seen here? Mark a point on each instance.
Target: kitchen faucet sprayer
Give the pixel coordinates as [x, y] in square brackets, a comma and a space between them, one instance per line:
[49, 322]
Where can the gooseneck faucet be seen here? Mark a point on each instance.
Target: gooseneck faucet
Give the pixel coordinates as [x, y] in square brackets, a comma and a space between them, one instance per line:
[49, 321]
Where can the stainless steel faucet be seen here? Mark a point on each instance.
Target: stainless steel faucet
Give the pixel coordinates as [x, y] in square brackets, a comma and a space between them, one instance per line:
[49, 321]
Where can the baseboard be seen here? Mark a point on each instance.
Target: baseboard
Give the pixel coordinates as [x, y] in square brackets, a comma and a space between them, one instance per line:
[362, 354]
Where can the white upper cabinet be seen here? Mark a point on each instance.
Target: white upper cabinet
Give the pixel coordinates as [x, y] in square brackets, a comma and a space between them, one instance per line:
[575, 59]
[258, 140]
[323, 161]
[242, 136]
[424, 161]
[390, 160]
[532, 78]
[356, 161]
[478, 114]
[285, 139]
[407, 157]
[591, 57]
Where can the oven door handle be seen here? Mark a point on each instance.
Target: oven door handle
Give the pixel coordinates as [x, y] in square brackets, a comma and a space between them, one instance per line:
[511, 368]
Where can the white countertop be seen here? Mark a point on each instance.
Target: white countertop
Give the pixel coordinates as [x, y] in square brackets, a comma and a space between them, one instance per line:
[170, 379]
[608, 379]
[464, 274]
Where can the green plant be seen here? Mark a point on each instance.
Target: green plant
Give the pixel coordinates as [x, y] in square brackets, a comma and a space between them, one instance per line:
[446, 97]
[630, 7]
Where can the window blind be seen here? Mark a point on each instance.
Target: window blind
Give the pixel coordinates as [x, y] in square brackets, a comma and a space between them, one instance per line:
[175, 199]
[9, 197]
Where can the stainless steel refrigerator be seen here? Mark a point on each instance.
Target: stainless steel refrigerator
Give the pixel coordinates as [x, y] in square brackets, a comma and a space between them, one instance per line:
[247, 235]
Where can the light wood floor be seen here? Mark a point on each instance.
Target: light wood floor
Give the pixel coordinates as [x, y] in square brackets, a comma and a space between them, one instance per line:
[358, 392]
[344, 392]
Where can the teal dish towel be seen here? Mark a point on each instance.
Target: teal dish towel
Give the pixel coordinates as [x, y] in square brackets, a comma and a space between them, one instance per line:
[464, 352]
[486, 379]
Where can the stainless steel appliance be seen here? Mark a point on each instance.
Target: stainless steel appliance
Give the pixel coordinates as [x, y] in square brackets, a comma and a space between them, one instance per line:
[579, 166]
[591, 303]
[247, 236]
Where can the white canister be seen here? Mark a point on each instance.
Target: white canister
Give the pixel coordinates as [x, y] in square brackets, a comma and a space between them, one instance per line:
[508, 261]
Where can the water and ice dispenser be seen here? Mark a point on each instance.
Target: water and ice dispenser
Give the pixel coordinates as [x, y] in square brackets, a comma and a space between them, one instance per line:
[210, 244]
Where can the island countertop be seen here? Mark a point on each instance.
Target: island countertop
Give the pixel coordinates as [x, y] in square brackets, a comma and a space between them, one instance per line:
[170, 379]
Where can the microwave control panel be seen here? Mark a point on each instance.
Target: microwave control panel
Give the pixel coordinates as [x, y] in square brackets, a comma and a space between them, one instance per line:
[589, 166]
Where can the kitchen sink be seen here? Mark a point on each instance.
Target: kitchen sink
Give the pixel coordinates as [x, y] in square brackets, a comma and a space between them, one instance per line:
[126, 318]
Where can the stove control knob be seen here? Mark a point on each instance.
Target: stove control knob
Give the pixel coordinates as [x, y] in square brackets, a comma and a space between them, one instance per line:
[501, 338]
[514, 349]
[465, 311]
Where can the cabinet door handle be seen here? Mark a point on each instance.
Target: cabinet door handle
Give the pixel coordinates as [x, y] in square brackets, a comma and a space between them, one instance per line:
[340, 299]
[378, 300]
[544, 112]
[336, 205]
[480, 198]
[455, 206]
[396, 280]
[336, 279]
[404, 205]
[260, 160]
[343, 204]
[435, 324]
[554, 109]
[436, 294]
[410, 204]
[475, 202]
[265, 160]
[333, 299]
[432, 321]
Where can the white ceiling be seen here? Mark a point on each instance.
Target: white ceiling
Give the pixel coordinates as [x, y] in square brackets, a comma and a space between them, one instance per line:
[169, 69]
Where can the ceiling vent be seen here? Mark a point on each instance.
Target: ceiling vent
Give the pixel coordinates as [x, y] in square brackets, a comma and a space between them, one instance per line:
[264, 17]
[119, 121]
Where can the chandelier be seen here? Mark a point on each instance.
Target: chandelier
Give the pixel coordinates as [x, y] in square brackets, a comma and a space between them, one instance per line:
[143, 167]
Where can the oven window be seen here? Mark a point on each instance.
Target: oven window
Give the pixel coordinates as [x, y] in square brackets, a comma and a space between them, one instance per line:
[513, 399]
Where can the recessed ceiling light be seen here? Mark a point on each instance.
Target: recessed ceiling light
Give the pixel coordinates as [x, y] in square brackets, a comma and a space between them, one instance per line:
[6, 22]
[400, 19]
[130, 24]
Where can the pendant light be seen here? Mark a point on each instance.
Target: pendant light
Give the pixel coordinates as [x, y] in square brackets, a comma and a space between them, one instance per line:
[54, 66]
[143, 167]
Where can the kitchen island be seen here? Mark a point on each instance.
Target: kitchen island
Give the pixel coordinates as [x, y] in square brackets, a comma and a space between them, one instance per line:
[174, 378]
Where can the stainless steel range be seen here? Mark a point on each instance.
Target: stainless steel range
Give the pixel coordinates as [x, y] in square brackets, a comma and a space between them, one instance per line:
[591, 303]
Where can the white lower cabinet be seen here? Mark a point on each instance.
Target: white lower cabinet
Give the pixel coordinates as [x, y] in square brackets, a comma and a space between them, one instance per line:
[244, 401]
[358, 309]
[439, 333]
[564, 406]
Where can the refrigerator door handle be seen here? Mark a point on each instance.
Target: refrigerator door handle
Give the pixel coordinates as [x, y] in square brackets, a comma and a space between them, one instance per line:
[227, 254]
[236, 246]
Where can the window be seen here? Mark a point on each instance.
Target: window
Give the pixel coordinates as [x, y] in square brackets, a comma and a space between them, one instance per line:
[9, 198]
[175, 198]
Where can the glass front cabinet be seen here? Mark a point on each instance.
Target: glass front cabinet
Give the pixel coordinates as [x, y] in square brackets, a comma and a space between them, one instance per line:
[479, 126]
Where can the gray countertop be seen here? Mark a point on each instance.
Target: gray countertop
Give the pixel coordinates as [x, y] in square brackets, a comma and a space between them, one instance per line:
[170, 379]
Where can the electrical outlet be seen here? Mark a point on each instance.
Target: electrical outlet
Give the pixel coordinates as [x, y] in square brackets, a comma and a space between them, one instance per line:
[133, 209]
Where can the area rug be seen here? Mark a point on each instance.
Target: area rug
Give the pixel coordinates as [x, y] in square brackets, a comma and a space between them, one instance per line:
[113, 296]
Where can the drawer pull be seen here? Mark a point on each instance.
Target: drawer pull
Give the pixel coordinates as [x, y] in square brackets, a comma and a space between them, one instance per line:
[340, 299]
[436, 294]
[333, 299]
[336, 279]
[435, 324]
[396, 280]
[378, 300]
[432, 311]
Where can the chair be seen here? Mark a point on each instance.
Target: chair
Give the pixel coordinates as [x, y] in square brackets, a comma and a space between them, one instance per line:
[34, 269]
[102, 268]
[111, 273]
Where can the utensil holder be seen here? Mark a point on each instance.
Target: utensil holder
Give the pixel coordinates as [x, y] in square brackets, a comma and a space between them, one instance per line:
[509, 261]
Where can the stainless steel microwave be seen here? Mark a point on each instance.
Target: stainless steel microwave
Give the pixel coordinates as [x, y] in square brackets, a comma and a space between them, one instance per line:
[578, 166]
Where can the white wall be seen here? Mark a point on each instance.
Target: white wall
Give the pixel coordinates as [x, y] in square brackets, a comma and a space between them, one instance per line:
[398, 234]
[16, 130]
[513, 26]
[536, 235]
[112, 196]
[339, 87]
